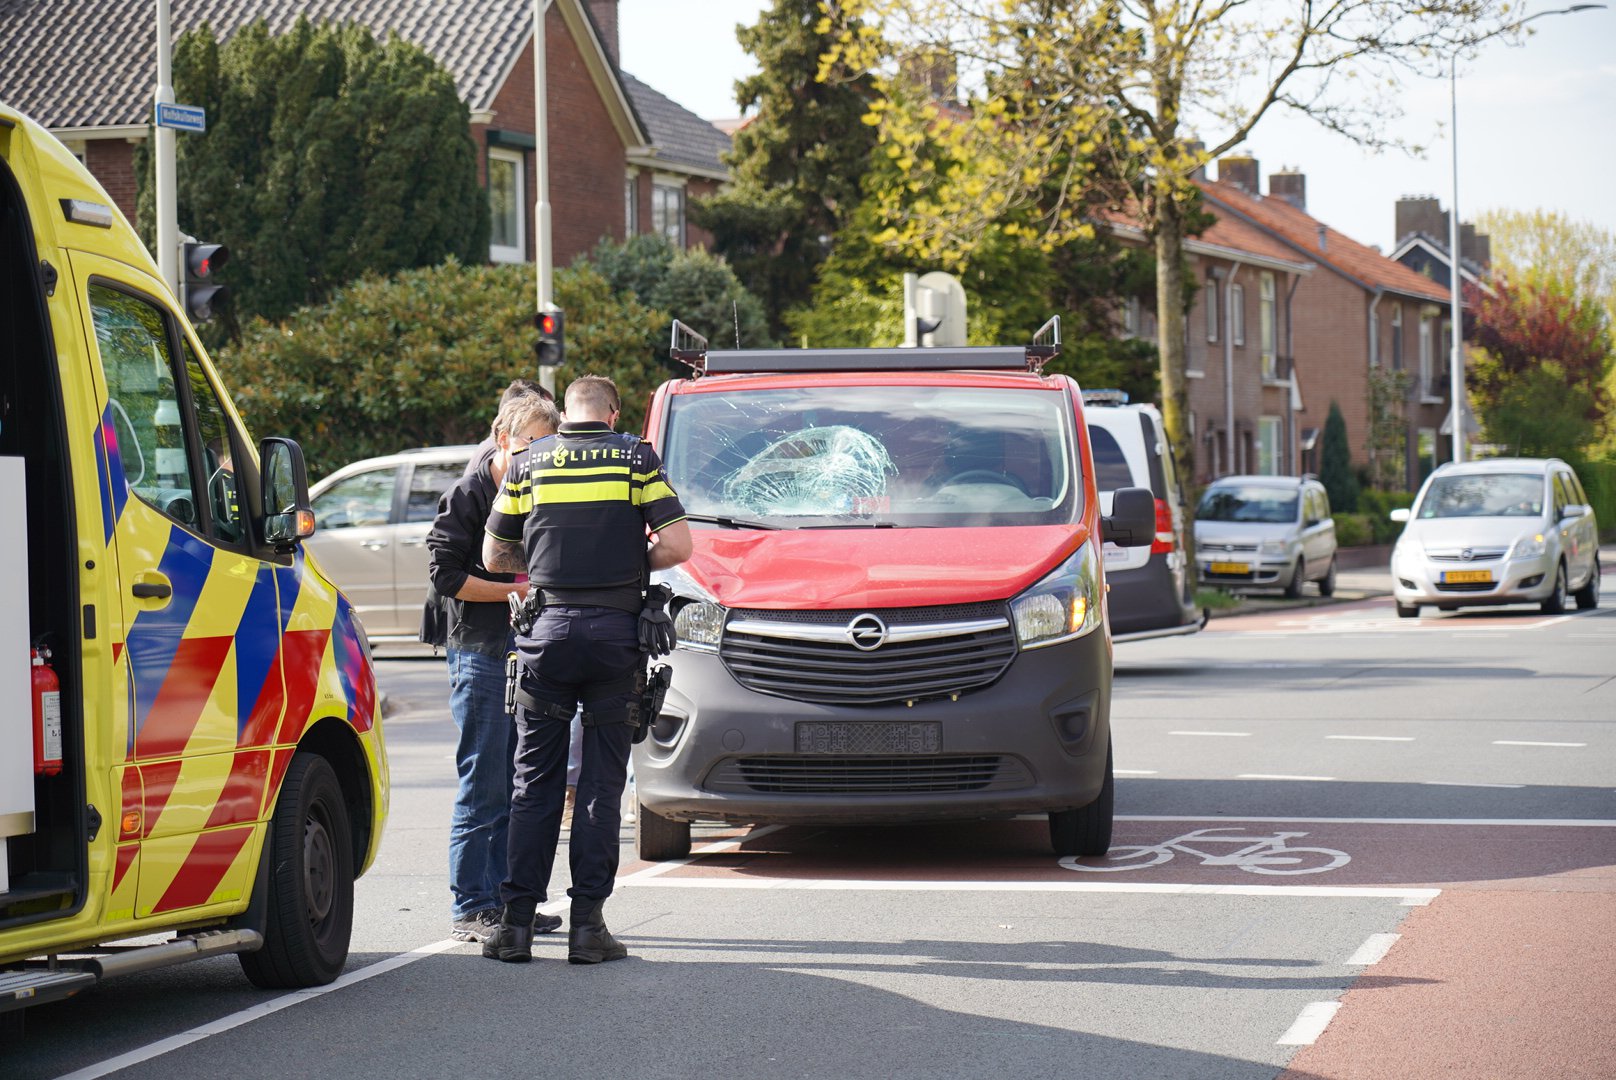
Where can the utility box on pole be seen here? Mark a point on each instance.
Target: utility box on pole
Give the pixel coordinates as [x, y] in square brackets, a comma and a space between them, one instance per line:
[933, 310]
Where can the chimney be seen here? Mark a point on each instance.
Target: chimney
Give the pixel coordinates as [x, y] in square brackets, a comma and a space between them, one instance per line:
[1421, 214]
[1241, 171]
[1195, 148]
[1291, 185]
[604, 12]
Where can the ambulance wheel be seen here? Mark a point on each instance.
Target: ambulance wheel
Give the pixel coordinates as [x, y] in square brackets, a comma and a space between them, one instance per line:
[1087, 829]
[311, 883]
[657, 838]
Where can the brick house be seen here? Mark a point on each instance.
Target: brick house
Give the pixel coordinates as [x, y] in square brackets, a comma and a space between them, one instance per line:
[1358, 311]
[1244, 403]
[623, 158]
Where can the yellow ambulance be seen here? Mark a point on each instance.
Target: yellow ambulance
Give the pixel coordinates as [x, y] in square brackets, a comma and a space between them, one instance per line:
[190, 738]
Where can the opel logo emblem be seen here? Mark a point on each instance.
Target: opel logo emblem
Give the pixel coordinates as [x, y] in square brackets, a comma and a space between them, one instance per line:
[866, 632]
[1228, 547]
[1467, 554]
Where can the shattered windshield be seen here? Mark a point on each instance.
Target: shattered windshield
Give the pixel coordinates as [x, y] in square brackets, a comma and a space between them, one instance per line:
[850, 456]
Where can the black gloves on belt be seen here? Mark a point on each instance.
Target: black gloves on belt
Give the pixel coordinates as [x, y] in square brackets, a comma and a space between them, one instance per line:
[656, 624]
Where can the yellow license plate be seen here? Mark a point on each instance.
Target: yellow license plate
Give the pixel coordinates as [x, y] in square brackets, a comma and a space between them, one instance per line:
[1229, 568]
[1461, 577]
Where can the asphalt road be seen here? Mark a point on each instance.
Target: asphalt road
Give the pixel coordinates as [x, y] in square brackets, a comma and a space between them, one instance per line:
[1348, 846]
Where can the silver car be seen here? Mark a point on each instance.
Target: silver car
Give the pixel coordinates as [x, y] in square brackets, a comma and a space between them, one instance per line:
[1268, 532]
[1501, 531]
[371, 520]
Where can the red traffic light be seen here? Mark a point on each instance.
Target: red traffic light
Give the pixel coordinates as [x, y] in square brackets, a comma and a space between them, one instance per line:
[547, 323]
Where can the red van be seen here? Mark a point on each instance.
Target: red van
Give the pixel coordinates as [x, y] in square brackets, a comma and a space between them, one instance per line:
[896, 609]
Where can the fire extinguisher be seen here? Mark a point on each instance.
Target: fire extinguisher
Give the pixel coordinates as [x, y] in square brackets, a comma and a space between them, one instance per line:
[47, 715]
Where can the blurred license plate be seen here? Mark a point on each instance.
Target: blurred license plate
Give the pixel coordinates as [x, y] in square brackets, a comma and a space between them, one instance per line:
[870, 737]
[1229, 568]
[1460, 577]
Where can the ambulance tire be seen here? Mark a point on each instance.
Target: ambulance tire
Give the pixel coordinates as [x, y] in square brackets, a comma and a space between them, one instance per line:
[311, 884]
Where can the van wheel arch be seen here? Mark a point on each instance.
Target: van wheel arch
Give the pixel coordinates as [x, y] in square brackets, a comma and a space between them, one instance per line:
[336, 741]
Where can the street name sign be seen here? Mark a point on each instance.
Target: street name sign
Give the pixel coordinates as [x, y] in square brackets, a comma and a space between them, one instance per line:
[182, 117]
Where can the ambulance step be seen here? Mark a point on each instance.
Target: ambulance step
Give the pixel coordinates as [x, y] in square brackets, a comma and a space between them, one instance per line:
[178, 951]
[20, 989]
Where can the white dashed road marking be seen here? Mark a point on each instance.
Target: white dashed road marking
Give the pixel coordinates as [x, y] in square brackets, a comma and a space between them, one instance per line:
[1310, 1025]
[1371, 951]
[1513, 742]
[1374, 738]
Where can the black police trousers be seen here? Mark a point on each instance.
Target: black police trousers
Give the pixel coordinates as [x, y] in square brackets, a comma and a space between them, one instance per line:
[572, 655]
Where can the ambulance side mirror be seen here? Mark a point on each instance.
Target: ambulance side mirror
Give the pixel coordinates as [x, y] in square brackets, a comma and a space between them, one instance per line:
[287, 515]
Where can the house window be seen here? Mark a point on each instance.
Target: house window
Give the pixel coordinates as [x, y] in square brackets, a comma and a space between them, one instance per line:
[631, 205]
[1397, 337]
[1268, 445]
[1427, 348]
[1237, 314]
[1211, 309]
[507, 190]
[668, 212]
[1427, 451]
[1268, 327]
[1130, 317]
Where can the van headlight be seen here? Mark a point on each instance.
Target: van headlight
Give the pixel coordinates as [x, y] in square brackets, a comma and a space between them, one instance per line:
[698, 619]
[1064, 605]
[1529, 546]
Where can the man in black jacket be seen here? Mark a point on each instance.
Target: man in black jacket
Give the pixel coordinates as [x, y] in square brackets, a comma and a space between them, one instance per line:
[477, 614]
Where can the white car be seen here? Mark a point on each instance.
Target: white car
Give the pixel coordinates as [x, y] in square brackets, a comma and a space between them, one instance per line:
[371, 519]
[1266, 532]
[1500, 531]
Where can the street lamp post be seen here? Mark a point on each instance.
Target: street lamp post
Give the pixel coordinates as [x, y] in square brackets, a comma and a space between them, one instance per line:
[1456, 361]
[541, 180]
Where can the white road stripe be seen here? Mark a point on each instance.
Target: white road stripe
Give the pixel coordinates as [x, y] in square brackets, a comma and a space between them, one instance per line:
[1310, 1025]
[1374, 738]
[381, 967]
[1513, 742]
[1545, 822]
[1459, 783]
[1406, 895]
[1278, 776]
[1134, 772]
[1225, 734]
[1373, 950]
[256, 1012]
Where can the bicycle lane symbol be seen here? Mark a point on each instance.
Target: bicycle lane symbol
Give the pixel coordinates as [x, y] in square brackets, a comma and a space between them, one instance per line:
[1254, 854]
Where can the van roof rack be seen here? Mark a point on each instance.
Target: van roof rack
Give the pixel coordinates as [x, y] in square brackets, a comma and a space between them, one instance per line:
[689, 347]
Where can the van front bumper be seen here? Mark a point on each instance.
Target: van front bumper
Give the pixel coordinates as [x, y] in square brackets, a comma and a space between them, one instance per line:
[1033, 741]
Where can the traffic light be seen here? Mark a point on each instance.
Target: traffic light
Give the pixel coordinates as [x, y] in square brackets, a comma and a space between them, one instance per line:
[202, 261]
[552, 337]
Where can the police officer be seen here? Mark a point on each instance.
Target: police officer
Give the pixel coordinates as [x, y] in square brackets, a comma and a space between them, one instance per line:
[575, 514]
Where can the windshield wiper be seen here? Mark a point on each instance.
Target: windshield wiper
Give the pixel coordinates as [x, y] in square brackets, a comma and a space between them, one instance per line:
[863, 525]
[731, 522]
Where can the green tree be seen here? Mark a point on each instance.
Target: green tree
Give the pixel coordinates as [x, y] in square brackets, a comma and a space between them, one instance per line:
[1541, 365]
[328, 155]
[1335, 467]
[1548, 246]
[1080, 89]
[695, 287]
[796, 164]
[1388, 428]
[419, 359]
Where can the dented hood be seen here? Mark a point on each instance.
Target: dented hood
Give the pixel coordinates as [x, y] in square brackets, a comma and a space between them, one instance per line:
[815, 569]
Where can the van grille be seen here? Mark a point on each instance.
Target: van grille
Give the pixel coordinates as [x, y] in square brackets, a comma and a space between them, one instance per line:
[836, 673]
[820, 775]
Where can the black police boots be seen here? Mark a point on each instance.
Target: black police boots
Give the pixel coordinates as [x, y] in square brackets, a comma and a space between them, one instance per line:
[588, 941]
[513, 941]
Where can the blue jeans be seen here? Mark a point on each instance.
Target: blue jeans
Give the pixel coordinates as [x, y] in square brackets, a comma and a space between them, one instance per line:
[485, 759]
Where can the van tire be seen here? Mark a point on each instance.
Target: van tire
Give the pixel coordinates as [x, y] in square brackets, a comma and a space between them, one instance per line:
[1555, 602]
[1086, 831]
[311, 882]
[657, 839]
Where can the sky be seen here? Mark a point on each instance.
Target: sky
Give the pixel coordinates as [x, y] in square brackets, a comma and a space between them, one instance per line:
[1537, 122]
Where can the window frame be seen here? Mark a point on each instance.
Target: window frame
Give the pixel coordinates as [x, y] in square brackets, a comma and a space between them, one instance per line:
[504, 253]
[1266, 425]
[1237, 315]
[663, 187]
[631, 203]
[1268, 326]
[1212, 309]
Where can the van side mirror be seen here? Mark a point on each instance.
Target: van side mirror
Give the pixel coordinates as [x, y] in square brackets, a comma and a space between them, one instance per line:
[1400, 514]
[287, 515]
[1132, 521]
